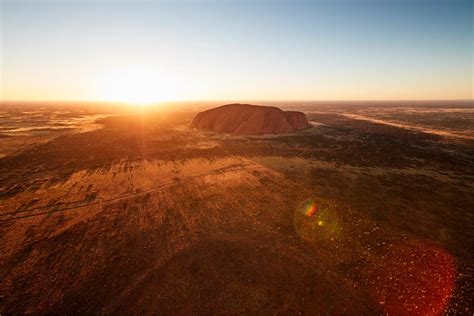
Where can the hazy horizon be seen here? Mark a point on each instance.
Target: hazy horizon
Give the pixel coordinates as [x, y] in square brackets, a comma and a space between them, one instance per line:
[156, 51]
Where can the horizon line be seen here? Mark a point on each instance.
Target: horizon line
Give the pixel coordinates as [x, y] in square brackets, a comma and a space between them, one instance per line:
[230, 100]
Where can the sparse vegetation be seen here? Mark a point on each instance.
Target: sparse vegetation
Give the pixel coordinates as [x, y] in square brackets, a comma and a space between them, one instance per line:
[148, 214]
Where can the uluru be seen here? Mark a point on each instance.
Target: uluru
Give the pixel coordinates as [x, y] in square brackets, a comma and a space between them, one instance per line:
[248, 119]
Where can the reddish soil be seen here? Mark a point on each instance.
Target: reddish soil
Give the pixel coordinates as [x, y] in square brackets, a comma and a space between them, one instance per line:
[149, 216]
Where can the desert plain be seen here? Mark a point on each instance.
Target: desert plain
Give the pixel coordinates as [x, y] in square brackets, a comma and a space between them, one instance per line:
[369, 211]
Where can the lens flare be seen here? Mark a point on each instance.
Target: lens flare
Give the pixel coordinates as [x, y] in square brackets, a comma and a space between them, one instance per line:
[318, 221]
[413, 279]
[310, 208]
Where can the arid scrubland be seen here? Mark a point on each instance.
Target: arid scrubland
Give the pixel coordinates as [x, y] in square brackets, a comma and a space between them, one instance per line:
[147, 214]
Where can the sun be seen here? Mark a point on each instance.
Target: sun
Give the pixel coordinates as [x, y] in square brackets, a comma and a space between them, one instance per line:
[137, 86]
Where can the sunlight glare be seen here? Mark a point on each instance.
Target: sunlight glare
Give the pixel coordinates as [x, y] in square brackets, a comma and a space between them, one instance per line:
[137, 86]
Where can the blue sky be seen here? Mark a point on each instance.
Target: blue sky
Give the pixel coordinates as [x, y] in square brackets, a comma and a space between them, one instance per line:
[249, 50]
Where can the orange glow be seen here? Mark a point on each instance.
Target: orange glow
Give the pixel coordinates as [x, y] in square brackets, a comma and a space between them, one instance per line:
[136, 86]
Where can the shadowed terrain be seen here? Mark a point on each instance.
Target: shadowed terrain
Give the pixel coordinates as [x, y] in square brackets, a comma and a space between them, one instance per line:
[368, 211]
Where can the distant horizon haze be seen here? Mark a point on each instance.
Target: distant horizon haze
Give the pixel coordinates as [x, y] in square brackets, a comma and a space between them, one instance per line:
[160, 51]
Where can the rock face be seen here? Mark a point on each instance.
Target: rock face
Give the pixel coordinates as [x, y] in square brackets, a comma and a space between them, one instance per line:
[247, 119]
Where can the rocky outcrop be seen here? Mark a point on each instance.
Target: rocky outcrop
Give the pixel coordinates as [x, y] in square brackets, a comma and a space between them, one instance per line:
[247, 119]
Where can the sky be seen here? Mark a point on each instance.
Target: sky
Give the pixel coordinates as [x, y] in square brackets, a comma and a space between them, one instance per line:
[148, 51]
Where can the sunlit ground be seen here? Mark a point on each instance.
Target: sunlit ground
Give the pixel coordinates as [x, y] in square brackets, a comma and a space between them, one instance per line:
[145, 213]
